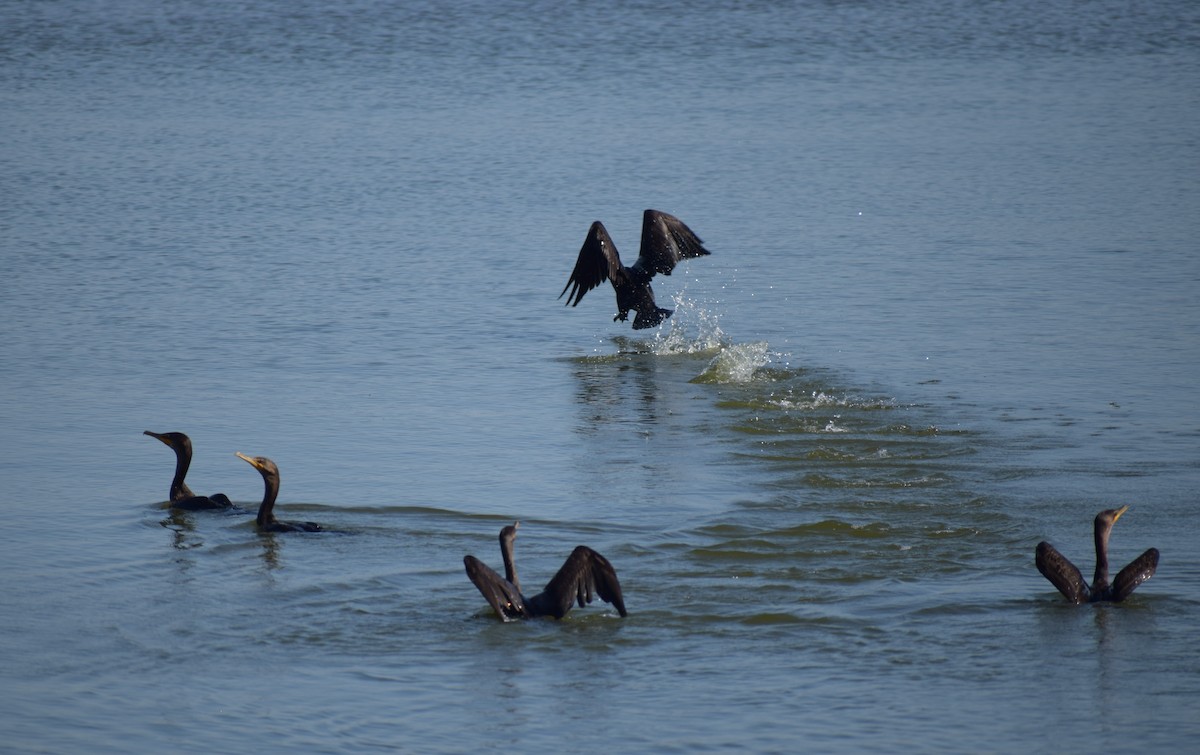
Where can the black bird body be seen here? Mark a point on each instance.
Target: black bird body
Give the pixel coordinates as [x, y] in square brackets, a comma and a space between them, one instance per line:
[585, 573]
[181, 496]
[266, 520]
[665, 241]
[1069, 580]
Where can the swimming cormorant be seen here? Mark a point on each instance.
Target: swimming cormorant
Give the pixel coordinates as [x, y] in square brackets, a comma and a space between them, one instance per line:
[1066, 576]
[665, 241]
[266, 511]
[181, 496]
[584, 573]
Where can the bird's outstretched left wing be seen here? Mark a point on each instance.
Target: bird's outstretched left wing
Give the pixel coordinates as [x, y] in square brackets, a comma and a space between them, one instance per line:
[666, 241]
[504, 599]
[1063, 574]
[598, 261]
[1136, 572]
[584, 574]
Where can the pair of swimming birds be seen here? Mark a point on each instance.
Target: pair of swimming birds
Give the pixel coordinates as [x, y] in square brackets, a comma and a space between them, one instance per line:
[182, 497]
[586, 572]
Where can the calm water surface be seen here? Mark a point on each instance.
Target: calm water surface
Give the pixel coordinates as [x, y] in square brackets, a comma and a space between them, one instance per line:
[951, 311]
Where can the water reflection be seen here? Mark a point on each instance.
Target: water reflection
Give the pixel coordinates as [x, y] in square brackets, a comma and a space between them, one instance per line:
[618, 390]
[270, 545]
[184, 536]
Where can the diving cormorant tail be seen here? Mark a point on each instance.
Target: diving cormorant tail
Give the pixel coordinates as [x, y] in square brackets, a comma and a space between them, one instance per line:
[266, 511]
[584, 574]
[1067, 578]
[181, 496]
[665, 241]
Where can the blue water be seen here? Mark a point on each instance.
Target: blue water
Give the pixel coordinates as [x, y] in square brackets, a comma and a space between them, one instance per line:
[951, 311]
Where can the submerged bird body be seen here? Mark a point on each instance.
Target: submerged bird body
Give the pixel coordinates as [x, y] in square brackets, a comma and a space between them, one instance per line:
[665, 241]
[266, 511]
[1069, 580]
[585, 573]
[181, 496]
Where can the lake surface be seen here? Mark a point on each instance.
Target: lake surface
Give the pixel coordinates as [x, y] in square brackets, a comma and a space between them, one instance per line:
[951, 310]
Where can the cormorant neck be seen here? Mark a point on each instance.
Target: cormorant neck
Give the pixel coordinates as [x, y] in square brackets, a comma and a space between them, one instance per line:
[266, 511]
[1103, 530]
[510, 566]
[179, 488]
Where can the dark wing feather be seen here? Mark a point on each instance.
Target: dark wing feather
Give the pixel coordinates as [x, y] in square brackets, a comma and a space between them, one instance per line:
[504, 599]
[1138, 571]
[598, 261]
[666, 241]
[584, 574]
[1063, 574]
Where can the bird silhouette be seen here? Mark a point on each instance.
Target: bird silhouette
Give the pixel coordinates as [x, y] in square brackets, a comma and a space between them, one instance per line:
[266, 510]
[665, 241]
[181, 496]
[1064, 575]
[585, 573]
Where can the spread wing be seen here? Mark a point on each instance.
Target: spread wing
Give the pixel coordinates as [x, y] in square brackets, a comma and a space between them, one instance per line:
[666, 241]
[1063, 574]
[598, 261]
[1138, 571]
[584, 574]
[504, 599]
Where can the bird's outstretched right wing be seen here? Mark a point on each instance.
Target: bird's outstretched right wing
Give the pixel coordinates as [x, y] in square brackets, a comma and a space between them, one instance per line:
[1063, 574]
[1136, 572]
[598, 261]
[504, 599]
[585, 573]
[666, 241]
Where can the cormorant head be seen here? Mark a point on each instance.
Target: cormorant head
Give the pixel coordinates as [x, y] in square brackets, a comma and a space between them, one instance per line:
[177, 441]
[265, 466]
[1109, 517]
[509, 533]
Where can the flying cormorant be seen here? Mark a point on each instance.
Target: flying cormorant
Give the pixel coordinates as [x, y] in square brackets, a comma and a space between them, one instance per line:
[665, 241]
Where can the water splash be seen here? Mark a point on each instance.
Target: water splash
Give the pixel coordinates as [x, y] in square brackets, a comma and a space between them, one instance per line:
[736, 363]
[693, 329]
[696, 329]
